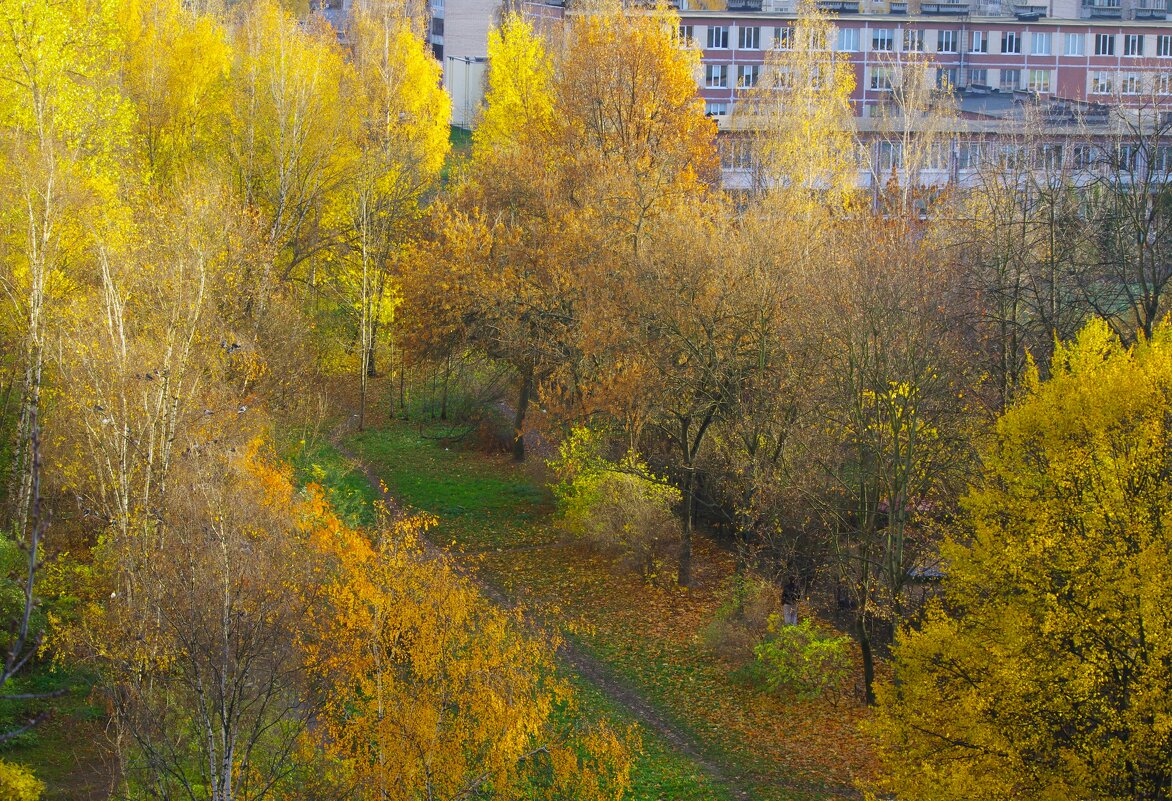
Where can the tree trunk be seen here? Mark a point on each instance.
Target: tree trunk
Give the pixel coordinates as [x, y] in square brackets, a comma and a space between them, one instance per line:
[447, 375]
[519, 417]
[402, 385]
[868, 658]
[684, 576]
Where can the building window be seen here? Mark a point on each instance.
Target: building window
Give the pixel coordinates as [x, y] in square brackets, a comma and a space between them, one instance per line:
[1010, 80]
[946, 42]
[1104, 44]
[1129, 83]
[1039, 81]
[1048, 157]
[749, 38]
[1164, 46]
[848, 39]
[716, 76]
[979, 77]
[1162, 83]
[718, 37]
[1162, 159]
[913, 41]
[1041, 44]
[1075, 44]
[1133, 44]
[748, 74]
[1101, 83]
[686, 35]
[890, 156]
[881, 79]
[1010, 42]
[715, 107]
[980, 42]
[784, 39]
[882, 39]
[946, 78]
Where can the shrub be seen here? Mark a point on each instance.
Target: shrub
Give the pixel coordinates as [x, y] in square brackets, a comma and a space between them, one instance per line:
[17, 783]
[804, 660]
[743, 619]
[616, 507]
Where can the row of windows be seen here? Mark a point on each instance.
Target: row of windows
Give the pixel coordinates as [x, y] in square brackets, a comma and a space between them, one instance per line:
[1105, 82]
[883, 78]
[887, 156]
[947, 41]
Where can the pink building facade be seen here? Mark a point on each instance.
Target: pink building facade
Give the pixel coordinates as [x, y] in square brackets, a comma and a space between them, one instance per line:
[1099, 60]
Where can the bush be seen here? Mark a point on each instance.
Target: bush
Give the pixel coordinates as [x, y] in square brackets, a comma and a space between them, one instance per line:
[17, 783]
[803, 660]
[616, 507]
[742, 621]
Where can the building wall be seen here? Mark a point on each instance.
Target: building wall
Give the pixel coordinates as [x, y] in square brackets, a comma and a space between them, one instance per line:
[1039, 60]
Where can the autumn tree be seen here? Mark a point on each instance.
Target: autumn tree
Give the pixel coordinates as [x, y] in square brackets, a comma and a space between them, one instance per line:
[402, 144]
[895, 412]
[1130, 214]
[799, 122]
[61, 123]
[1041, 671]
[433, 692]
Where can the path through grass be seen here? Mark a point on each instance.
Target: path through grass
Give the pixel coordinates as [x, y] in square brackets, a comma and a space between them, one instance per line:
[499, 517]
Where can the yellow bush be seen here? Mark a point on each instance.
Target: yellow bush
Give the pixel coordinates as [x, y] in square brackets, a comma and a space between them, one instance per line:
[17, 783]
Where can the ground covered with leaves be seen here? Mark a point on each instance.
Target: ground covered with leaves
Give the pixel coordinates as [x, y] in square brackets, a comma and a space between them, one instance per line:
[499, 517]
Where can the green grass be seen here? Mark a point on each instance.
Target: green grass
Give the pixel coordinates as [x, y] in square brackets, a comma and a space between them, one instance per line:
[480, 506]
[486, 504]
[660, 773]
[65, 750]
[346, 486]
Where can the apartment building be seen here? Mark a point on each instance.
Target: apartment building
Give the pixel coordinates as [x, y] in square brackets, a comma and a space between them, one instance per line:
[1110, 51]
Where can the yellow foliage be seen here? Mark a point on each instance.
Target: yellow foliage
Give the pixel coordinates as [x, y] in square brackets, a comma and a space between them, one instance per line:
[1043, 674]
[17, 783]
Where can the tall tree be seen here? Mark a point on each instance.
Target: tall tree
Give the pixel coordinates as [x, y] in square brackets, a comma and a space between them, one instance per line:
[1042, 671]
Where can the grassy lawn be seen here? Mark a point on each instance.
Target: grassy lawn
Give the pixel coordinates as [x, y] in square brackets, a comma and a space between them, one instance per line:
[648, 634]
[65, 750]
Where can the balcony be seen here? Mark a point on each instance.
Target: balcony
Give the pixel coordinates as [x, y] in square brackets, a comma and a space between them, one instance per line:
[744, 5]
[944, 9]
[1102, 10]
[898, 6]
[1152, 9]
[839, 6]
[1028, 12]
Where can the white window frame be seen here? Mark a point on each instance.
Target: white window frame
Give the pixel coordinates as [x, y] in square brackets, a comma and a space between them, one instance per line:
[1104, 44]
[716, 76]
[1164, 46]
[744, 71]
[882, 36]
[1005, 73]
[1102, 82]
[881, 79]
[1042, 44]
[1008, 39]
[1133, 45]
[946, 41]
[715, 107]
[783, 37]
[717, 37]
[1079, 40]
[748, 37]
[1040, 81]
[1130, 83]
[913, 40]
[979, 42]
[848, 40]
